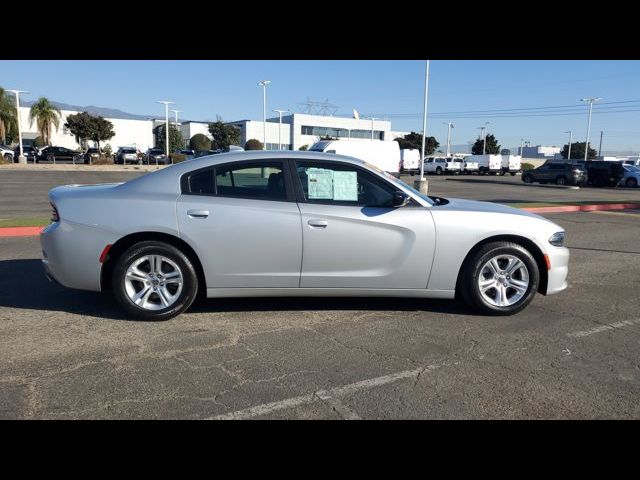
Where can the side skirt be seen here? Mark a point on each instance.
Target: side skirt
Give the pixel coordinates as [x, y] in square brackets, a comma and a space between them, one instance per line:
[328, 292]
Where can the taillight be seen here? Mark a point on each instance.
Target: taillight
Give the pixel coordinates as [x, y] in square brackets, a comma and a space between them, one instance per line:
[54, 213]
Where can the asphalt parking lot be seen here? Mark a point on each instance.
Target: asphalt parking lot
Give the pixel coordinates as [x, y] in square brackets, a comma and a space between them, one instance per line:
[70, 354]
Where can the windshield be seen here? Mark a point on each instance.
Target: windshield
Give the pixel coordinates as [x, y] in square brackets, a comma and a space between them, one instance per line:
[631, 168]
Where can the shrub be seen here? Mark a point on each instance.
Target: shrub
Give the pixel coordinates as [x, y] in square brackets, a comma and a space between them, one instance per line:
[304, 147]
[38, 142]
[253, 144]
[527, 166]
[103, 160]
[177, 157]
[107, 150]
[199, 142]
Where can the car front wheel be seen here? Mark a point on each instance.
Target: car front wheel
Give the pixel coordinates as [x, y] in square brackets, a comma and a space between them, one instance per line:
[154, 281]
[631, 183]
[501, 278]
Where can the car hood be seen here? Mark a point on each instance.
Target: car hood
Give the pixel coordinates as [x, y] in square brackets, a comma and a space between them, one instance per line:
[459, 204]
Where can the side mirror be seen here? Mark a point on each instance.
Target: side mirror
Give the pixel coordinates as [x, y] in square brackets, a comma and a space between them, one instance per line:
[401, 199]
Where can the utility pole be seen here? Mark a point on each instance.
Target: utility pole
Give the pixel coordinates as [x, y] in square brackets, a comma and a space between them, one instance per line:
[570, 140]
[166, 128]
[600, 147]
[424, 123]
[280, 112]
[17, 93]
[449, 127]
[591, 101]
[263, 84]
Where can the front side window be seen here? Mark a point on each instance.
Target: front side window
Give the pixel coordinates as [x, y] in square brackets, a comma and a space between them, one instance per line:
[338, 184]
[257, 181]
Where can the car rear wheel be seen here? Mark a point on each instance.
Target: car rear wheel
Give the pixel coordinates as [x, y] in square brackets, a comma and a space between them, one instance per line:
[500, 278]
[631, 183]
[561, 180]
[527, 178]
[154, 281]
[438, 171]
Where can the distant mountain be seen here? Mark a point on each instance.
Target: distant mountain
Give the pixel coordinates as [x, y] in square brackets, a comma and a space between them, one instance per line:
[100, 111]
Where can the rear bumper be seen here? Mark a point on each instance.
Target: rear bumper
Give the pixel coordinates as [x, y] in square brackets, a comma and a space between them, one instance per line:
[557, 275]
[71, 252]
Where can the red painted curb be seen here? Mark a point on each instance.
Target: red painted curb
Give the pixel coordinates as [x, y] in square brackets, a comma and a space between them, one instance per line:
[583, 208]
[20, 231]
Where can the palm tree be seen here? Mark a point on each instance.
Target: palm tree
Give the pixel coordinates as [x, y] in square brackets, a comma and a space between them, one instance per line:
[45, 114]
[7, 115]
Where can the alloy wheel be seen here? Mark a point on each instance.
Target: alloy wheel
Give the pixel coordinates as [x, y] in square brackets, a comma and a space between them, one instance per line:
[503, 280]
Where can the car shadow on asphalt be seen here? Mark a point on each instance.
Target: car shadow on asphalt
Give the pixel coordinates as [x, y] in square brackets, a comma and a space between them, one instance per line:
[23, 285]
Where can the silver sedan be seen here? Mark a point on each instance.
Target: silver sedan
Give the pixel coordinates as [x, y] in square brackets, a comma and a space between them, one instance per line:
[248, 224]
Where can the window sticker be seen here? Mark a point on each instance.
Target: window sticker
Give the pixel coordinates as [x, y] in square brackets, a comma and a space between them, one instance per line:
[319, 184]
[345, 186]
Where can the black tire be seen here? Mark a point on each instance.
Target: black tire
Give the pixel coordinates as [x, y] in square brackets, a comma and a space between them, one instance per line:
[513, 174]
[631, 183]
[527, 178]
[561, 180]
[438, 171]
[412, 173]
[468, 284]
[8, 158]
[189, 288]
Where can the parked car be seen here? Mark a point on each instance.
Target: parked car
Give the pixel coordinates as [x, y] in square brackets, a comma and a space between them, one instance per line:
[470, 167]
[560, 173]
[237, 224]
[410, 161]
[631, 178]
[602, 173]
[29, 152]
[58, 154]
[91, 155]
[126, 155]
[6, 153]
[155, 156]
[437, 165]
[189, 154]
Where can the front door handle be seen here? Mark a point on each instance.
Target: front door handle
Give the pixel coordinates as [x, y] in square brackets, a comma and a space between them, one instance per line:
[198, 213]
[318, 223]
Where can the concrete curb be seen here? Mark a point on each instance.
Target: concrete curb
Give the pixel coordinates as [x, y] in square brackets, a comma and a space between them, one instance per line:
[20, 231]
[583, 208]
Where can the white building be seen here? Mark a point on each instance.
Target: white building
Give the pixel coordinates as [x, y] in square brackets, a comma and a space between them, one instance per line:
[135, 133]
[300, 129]
[539, 151]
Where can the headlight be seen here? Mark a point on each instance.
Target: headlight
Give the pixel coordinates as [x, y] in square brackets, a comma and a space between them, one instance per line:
[557, 239]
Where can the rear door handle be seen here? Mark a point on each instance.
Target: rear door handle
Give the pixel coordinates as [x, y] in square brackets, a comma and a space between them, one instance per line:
[318, 223]
[198, 213]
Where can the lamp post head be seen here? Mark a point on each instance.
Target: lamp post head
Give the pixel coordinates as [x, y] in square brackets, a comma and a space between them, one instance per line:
[264, 83]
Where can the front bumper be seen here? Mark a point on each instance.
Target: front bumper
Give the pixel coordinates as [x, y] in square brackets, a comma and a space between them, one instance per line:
[557, 274]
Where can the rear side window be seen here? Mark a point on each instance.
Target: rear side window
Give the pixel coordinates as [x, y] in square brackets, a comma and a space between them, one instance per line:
[257, 181]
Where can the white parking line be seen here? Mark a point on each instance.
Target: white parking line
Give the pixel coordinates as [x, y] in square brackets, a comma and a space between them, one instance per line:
[328, 396]
[604, 328]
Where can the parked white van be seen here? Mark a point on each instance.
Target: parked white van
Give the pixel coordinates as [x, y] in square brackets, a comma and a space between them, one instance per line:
[409, 160]
[491, 164]
[511, 164]
[384, 155]
[470, 166]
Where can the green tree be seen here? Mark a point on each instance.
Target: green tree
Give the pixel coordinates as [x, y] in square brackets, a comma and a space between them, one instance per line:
[253, 144]
[200, 142]
[8, 116]
[38, 142]
[304, 147]
[80, 125]
[577, 151]
[492, 148]
[101, 129]
[176, 142]
[45, 115]
[223, 135]
[414, 140]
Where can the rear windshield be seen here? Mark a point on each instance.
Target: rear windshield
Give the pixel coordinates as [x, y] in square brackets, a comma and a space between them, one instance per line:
[128, 150]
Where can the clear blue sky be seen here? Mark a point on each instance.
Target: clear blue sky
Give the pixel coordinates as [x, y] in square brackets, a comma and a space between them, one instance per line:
[202, 89]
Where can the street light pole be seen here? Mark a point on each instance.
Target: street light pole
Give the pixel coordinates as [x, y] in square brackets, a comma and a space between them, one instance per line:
[372, 119]
[484, 142]
[166, 128]
[424, 120]
[449, 127]
[176, 113]
[280, 112]
[17, 93]
[263, 84]
[591, 101]
[570, 140]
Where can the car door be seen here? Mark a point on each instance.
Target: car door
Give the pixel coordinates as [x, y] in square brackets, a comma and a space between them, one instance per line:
[353, 236]
[242, 220]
